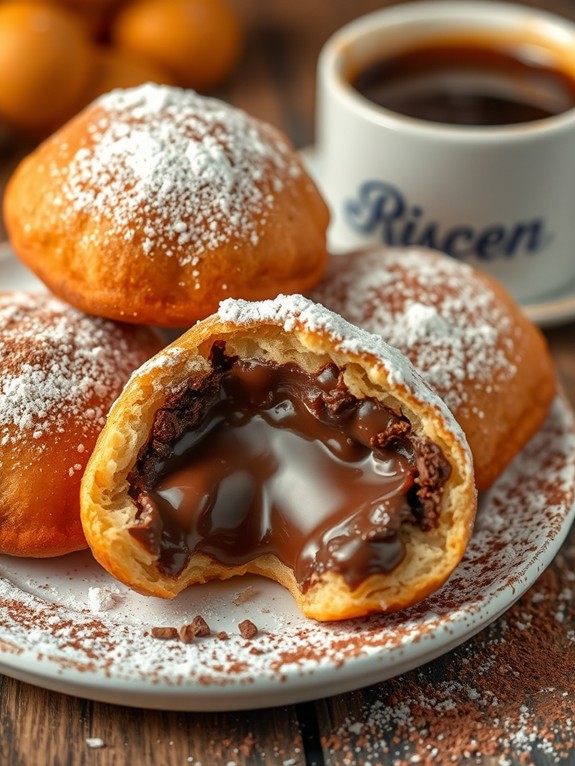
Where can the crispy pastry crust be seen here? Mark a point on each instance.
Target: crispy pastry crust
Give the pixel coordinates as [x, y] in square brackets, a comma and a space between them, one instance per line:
[285, 330]
[463, 332]
[205, 203]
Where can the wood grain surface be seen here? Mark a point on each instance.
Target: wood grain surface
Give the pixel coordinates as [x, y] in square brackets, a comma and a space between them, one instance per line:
[276, 82]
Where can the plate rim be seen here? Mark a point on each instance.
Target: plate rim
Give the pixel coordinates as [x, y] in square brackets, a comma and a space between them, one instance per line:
[355, 673]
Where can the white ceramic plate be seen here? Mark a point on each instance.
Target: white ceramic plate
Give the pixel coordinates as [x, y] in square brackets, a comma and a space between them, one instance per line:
[54, 634]
[556, 309]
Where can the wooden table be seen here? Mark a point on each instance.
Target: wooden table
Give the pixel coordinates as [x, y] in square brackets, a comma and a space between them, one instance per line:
[276, 81]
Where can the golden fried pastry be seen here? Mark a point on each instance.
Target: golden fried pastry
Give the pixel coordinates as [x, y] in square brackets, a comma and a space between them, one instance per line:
[277, 439]
[464, 334]
[59, 373]
[155, 203]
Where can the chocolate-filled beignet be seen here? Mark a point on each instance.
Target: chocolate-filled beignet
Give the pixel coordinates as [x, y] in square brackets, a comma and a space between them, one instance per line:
[463, 332]
[275, 438]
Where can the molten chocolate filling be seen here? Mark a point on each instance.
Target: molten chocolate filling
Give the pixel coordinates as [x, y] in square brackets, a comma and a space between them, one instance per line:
[261, 458]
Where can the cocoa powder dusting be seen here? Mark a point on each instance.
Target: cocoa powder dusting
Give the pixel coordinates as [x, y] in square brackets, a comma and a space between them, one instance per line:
[507, 693]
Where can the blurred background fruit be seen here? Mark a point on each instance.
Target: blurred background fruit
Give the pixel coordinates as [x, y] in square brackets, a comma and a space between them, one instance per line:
[199, 41]
[114, 68]
[45, 61]
[58, 55]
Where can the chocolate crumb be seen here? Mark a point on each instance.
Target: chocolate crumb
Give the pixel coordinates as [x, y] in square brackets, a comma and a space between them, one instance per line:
[222, 635]
[433, 471]
[248, 629]
[394, 433]
[187, 633]
[200, 626]
[164, 633]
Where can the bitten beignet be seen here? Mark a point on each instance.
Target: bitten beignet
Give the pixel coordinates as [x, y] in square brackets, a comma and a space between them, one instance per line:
[463, 332]
[277, 439]
[60, 371]
[155, 203]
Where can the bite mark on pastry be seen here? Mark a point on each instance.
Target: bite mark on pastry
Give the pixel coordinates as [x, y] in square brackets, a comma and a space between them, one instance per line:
[275, 438]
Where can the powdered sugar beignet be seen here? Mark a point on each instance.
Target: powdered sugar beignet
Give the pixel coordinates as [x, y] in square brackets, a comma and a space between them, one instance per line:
[277, 439]
[155, 203]
[463, 332]
[60, 371]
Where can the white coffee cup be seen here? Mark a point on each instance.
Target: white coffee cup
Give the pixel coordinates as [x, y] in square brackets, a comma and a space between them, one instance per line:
[501, 198]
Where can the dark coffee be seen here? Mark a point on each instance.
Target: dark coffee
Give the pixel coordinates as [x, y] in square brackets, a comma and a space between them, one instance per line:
[468, 84]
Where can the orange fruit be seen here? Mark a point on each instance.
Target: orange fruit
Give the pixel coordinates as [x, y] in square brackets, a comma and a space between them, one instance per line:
[93, 15]
[114, 68]
[94, 21]
[89, 5]
[199, 41]
[45, 62]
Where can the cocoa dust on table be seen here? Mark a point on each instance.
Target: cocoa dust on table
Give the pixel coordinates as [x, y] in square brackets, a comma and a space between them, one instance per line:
[510, 691]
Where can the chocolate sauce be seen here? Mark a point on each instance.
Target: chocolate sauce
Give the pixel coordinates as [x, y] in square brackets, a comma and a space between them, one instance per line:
[278, 461]
[468, 84]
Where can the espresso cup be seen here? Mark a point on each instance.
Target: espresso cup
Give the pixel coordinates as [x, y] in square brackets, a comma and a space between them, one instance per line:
[500, 197]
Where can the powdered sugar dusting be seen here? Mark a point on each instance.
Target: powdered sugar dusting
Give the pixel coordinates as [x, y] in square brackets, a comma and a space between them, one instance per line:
[170, 358]
[521, 523]
[430, 308]
[59, 366]
[175, 172]
[95, 742]
[288, 311]
[102, 599]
